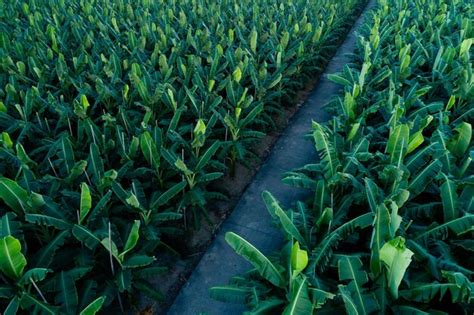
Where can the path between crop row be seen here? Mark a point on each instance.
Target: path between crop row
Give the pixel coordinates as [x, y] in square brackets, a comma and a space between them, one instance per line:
[250, 218]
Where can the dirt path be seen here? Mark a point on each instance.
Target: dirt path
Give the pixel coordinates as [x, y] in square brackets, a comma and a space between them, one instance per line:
[250, 218]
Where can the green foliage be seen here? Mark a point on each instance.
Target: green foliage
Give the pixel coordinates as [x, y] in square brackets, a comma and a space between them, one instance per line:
[115, 118]
[12, 261]
[262, 264]
[355, 295]
[390, 226]
[396, 258]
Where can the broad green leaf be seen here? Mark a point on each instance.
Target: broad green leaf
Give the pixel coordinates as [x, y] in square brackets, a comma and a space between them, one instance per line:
[94, 307]
[465, 46]
[426, 292]
[250, 118]
[339, 79]
[400, 197]
[349, 105]
[449, 199]
[67, 154]
[206, 157]
[6, 140]
[44, 257]
[12, 261]
[351, 268]
[380, 76]
[326, 150]
[95, 163]
[132, 200]
[275, 81]
[263, 265]
[12, 307]
[150, 150]
[363, 72]
[321, 255]
[47, 220]
[67, 293]
[458, 226]
[9, 226]
[111, 247]
[253, 41]
[419, 181]
[180, 165]
[288, 225]
[396, 257]
[271, 203]
[459, 144]
[13, 195]
[415, 141]
[300, 303]
[319, 297]
[398, 143]
[167, 195]
[349, 304]
[141, 87]
[325, 218]
[167, 216]
[124, 280]
[132, 239]
[23, 156]
[84, 235]
[352, 133]
[35, 274]
[100, 206]
[458, 285]
[321, 196]
[420, 158]
[380, 234]
[77, 170]
[137, 261]
[27, 301]
[395, 219]
[86, 202]
[451, 102]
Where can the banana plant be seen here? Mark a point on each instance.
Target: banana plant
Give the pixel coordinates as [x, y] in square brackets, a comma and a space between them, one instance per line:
[195, 196]
[389, 224]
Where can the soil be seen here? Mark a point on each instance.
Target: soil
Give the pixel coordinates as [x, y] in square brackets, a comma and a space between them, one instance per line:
[194, 246]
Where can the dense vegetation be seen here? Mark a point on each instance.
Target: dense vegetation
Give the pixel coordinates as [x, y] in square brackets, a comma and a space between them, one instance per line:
[115, 116]
[390, 227]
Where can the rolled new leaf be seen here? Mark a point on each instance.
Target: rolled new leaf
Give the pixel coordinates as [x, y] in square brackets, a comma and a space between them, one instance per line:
[396, 257]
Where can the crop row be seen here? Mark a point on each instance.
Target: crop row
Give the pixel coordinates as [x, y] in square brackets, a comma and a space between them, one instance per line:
[115, 116]
[390, 226]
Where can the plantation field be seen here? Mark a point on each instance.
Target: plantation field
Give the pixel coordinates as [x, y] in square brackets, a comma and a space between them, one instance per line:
[390, 226]
[115, 119]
